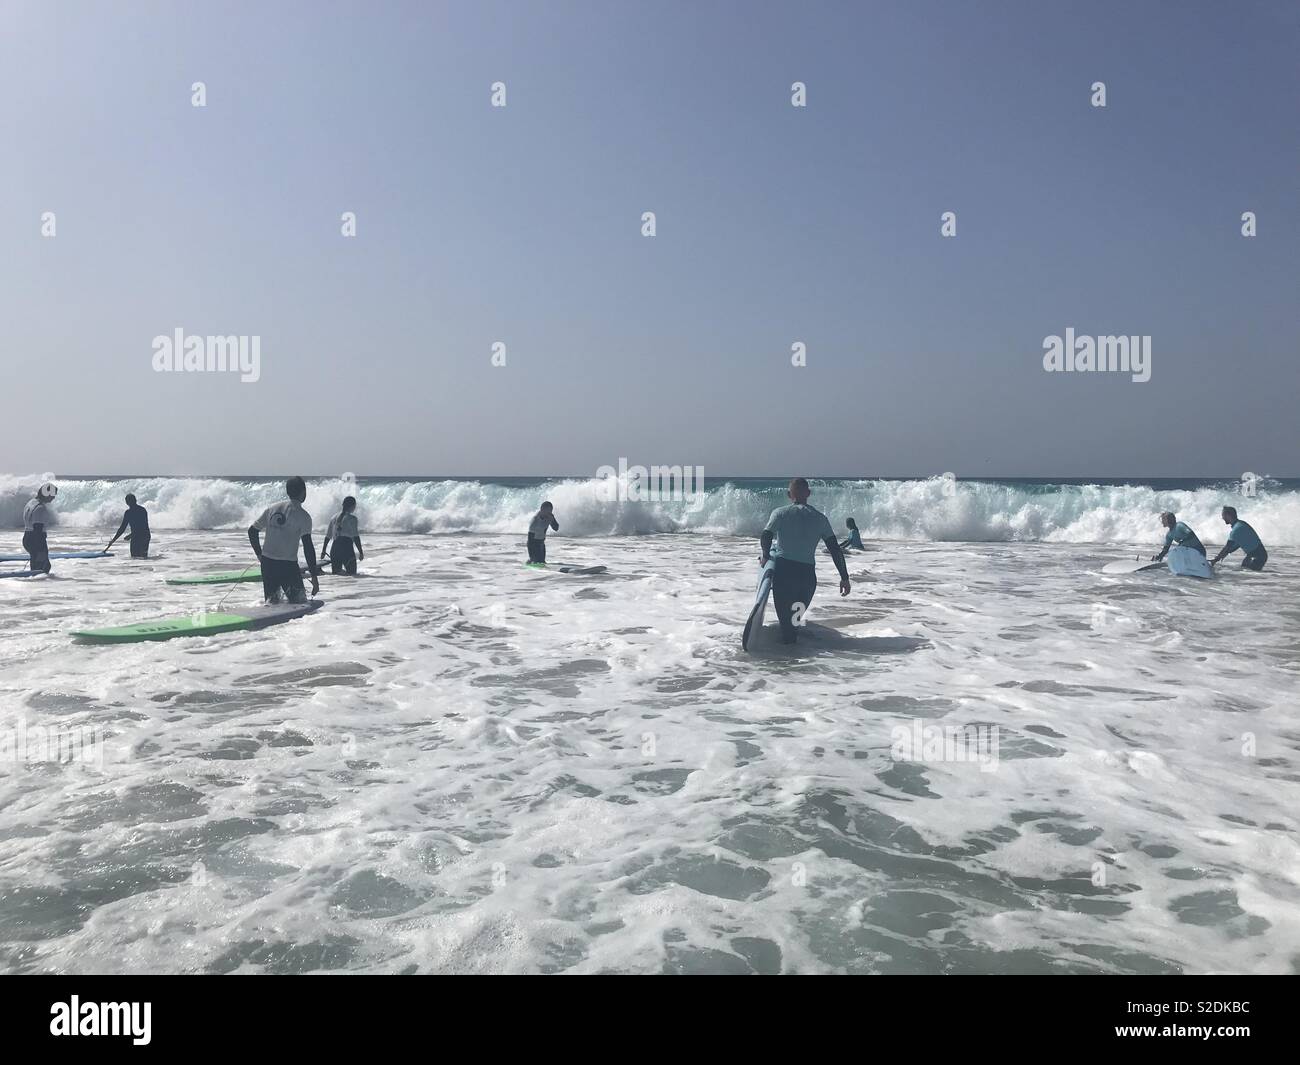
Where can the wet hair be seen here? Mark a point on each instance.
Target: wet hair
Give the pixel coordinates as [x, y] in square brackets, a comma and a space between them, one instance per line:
[130, 499]
[295, 488]
[350, 503]
[852, 524]
[1170, 515]
[799, 482]
[1232, 511]
[547, 505]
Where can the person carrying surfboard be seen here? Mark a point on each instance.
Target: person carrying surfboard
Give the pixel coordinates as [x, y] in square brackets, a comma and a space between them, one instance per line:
[855, 538]
[344, 532]
[790, 539]
[36, 516]
[1242, 536]
[138, 519]
[286, 525]
[544, 519]
[1179, 533]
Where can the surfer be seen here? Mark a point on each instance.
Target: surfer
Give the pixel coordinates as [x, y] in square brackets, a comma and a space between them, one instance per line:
[544, 519]
[796, 528]
[1179, 533]
[855, 538]
[344, 532]
[138, 519]
[36, 516]
[1241, 535]
[286, 525]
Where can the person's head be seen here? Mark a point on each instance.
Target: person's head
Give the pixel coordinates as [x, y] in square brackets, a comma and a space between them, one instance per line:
[349, 504]
[546, 507]
[799, 490]
[47, 491]
[130, 499]
[1168, 519]
[1229, 515]
[296, 489]
[852, 524]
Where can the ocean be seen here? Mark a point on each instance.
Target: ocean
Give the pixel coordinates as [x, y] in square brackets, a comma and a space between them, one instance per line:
[989, 757]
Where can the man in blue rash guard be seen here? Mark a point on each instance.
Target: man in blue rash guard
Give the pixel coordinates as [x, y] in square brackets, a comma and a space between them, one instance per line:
[1241, 535]
[796, 529]
[855, 538]
[138, 519]
[1179, 533]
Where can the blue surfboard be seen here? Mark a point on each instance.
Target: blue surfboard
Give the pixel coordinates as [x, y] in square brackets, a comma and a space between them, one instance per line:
[60, 554]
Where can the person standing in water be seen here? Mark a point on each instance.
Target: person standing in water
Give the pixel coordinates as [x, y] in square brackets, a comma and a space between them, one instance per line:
[855, 538]
[796, 529]
[544, 519]
[36, 516]
[1179, 534]
[286, 525]
[138, 519]
[1242, 536]
[344, 532]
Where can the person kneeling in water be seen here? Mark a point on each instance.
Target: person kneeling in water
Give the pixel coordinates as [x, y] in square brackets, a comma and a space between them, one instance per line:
[285, 524]
[345, 534]
[855, 538]
[796, 529]
[1179, 533]
[1242, 536]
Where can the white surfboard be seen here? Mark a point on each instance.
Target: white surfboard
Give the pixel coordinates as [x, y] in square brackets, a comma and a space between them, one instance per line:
[1135, 566]
[754, 623]
[1188, 562]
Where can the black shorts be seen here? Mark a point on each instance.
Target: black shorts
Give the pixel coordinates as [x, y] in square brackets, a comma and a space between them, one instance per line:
[1255, 560]
[36, 545]
[343, 557]
[536, 549]
[279, 575]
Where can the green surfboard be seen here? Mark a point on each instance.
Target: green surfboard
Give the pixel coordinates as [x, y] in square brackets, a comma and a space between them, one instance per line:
[200, 624]
[233, 577]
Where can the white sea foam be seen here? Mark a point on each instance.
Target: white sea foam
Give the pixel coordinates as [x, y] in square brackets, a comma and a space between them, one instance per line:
[460, 764]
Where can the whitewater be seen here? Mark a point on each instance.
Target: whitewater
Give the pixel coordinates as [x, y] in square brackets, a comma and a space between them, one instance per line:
[459, 764]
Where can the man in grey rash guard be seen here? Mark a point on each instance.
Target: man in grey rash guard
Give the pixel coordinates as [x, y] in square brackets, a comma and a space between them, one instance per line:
[286, 525]
[1179, 533]
[1241, 535]
[796, 529]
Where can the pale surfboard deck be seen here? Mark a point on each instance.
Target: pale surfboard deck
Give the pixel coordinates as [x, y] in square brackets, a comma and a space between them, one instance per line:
[754, 623]
[1188, 562]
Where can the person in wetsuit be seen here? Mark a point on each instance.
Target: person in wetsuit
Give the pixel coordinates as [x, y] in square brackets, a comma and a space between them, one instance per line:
[1179, 533]
[791, 539]
[544, 519]
[346, 535]
[138, 519]
[855, 538]
[286, 525]
[36, 516]
[1242, 536]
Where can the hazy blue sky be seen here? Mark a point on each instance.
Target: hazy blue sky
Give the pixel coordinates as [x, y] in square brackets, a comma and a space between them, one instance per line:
[775, 225]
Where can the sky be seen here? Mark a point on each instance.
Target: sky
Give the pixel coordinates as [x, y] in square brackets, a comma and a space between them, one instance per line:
[775, 225]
